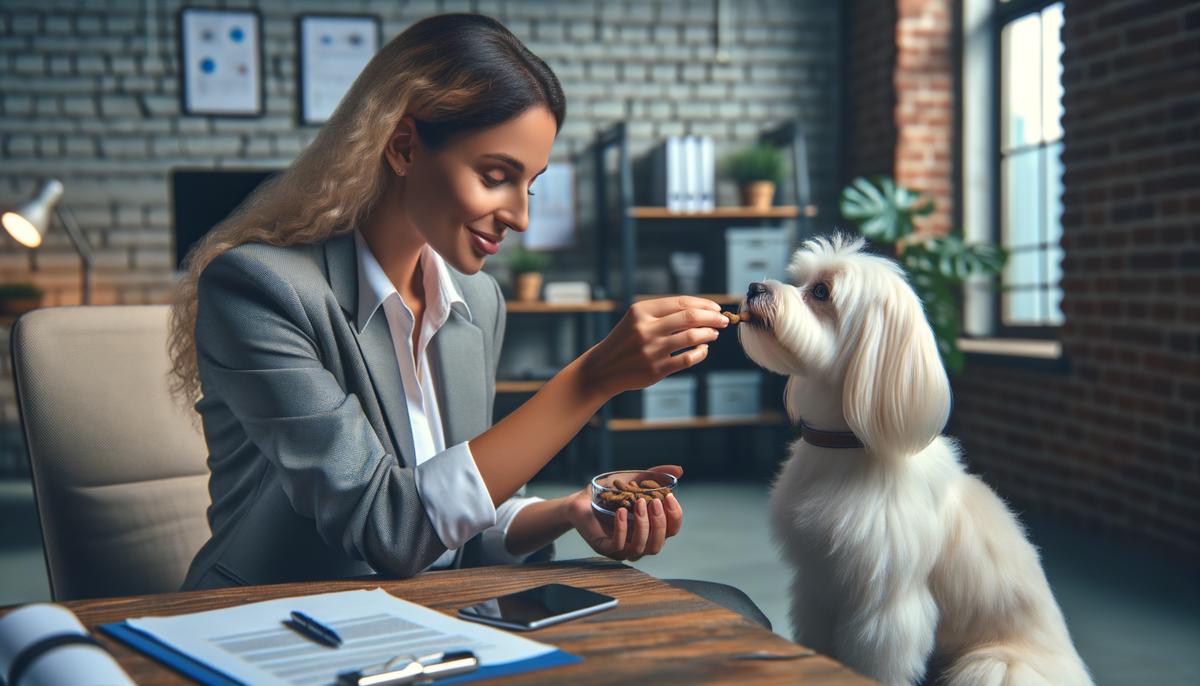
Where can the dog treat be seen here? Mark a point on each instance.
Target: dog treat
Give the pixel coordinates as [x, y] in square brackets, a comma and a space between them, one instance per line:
[737, 317]
[627, 486]
[626, 493]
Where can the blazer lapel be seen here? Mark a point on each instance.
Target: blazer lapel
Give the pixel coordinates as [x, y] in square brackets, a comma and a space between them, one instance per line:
[379, 353]
[457, 355]
[375, 343]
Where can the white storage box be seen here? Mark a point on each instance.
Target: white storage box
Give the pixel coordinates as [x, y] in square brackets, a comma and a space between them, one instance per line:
[734, 393]
[754, 255]
[672, 398]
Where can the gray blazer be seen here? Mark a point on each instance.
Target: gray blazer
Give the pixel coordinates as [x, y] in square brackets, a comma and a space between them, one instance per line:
[309, 441]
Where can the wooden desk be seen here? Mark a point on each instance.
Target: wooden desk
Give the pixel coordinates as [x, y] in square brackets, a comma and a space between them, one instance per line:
[658, 634]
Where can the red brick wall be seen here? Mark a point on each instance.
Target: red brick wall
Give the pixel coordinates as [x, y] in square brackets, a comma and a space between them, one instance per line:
[924, 83]
[1113, 442]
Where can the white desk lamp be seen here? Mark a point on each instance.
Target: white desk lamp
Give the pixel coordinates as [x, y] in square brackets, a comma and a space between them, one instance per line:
[28, 223]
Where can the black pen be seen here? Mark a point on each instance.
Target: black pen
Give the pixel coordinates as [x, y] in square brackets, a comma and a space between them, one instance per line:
[311, 628]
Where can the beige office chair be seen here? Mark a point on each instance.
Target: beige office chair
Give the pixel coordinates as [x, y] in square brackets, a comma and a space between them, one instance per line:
[118, 467]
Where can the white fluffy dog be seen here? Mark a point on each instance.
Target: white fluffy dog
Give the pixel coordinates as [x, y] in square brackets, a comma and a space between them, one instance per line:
[901, 558]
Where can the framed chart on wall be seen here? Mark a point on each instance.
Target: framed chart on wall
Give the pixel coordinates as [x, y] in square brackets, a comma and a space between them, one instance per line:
[334, 48]
[220, 57]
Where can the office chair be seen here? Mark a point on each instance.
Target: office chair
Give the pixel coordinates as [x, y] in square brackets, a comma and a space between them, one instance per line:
[119, 468]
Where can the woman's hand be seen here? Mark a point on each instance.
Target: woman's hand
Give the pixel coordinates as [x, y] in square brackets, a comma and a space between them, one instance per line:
[637, 352]
[629, 534]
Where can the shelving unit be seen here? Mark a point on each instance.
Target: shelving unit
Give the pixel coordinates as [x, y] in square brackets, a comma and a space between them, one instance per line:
[625, 221]
[520, 307]
[591, 316]
[520, 386]
[767, 417]
[718, 298]
[616, 238]
[777, 212]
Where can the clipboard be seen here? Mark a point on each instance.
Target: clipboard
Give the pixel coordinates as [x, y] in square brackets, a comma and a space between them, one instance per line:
[200, 672]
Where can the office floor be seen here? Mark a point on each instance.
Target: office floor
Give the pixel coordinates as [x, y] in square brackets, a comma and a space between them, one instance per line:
[1134, 614]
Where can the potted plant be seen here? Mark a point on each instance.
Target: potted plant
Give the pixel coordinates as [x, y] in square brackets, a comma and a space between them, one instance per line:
[757, 170]
[937, 266]
[526, 267]
[18, 298]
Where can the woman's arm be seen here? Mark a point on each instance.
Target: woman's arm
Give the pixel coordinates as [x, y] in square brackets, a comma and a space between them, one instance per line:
[537, 525]
[636, 354]
[510, 453]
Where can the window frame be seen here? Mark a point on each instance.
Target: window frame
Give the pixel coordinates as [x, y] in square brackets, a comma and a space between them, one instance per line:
[1000, 15]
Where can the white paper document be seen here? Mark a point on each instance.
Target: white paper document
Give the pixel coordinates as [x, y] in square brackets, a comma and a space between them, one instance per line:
[251, 644]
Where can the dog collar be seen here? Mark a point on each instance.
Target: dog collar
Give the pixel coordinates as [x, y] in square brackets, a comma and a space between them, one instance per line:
[828, 439]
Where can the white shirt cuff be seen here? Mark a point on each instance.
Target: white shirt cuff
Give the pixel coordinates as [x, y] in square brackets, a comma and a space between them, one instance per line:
[455, 496]
[494, 550]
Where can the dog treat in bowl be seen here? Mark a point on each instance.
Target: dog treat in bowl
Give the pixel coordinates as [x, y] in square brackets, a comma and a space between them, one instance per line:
[614, 491]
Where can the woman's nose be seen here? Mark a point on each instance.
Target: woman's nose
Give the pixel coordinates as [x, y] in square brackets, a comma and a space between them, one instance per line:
[517, 220]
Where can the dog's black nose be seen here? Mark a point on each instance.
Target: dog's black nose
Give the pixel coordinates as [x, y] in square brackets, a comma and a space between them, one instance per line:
[756, 288]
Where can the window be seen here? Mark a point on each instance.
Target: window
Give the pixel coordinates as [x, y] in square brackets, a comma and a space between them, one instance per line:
[1030, 166]
[1011, 148]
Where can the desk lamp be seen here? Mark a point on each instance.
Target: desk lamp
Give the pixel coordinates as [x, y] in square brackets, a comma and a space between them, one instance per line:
[28, 224]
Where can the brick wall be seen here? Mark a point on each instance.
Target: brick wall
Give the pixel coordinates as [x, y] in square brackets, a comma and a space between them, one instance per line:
[89, 94]
[925, 104]
[870, 57]
[900, 98]
[1114, 442]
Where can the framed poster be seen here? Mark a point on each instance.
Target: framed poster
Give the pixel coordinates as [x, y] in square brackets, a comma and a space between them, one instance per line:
[552, 209]
[334, 48]
[220, 57]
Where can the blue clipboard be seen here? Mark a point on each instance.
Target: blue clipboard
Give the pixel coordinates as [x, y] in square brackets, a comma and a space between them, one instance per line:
[198, 671]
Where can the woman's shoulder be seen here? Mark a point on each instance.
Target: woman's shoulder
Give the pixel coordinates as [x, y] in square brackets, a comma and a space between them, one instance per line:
[263, 262]
[276, 257]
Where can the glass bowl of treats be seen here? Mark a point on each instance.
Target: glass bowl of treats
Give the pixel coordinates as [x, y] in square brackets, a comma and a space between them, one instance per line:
[614, 491]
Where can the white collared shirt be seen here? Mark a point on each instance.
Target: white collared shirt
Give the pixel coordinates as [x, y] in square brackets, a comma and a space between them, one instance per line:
[448, 480]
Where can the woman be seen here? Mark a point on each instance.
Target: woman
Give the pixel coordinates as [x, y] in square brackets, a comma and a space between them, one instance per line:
[342, 340]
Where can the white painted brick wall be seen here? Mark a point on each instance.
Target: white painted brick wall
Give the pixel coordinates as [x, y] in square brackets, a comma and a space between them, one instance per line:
[89, 93]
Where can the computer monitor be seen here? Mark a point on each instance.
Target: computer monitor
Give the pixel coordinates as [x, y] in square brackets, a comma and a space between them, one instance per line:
[202, 198]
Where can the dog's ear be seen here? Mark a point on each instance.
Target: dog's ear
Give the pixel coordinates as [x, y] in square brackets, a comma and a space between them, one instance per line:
[896, 396]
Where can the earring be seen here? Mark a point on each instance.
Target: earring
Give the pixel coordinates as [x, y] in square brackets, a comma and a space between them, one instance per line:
[398, 172]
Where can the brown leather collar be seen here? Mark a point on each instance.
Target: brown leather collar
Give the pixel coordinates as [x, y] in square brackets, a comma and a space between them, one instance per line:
[828, 439]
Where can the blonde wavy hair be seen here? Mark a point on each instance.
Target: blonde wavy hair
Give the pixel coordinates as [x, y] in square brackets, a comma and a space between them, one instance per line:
[453, 73]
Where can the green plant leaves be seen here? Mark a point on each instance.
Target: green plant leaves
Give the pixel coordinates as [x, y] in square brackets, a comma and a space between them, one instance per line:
[521, 260]
[762, 162]
[936, 266]
[939, 297]
[953, 259]
[883, 211]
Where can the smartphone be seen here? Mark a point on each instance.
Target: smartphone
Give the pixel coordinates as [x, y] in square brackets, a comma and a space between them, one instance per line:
[535, 608]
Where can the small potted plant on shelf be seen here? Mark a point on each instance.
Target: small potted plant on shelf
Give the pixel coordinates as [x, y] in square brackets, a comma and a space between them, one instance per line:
[757, 169]
[18, 298]
[526, 267]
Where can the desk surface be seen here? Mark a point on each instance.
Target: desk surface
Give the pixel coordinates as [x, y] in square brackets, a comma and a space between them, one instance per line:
[658, 632]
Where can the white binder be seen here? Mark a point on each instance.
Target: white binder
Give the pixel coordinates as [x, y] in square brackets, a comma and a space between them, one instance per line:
[708, 174]
[691, 174]
[674, 174]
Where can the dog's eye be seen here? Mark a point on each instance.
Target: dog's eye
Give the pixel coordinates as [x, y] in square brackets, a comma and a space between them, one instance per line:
[821, 291]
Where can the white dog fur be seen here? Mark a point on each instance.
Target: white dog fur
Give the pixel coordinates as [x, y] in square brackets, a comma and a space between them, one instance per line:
[901, 558]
